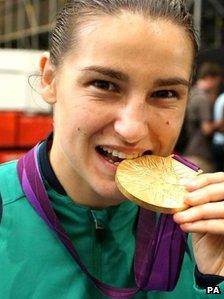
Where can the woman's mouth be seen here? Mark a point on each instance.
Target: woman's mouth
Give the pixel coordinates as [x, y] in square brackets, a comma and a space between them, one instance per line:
[115, 157]
[109, 156]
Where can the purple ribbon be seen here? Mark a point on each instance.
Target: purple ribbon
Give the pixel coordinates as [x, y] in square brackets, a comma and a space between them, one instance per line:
[159, 248]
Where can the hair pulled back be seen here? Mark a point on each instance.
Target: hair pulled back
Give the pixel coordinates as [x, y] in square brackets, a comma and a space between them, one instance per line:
[76, 12]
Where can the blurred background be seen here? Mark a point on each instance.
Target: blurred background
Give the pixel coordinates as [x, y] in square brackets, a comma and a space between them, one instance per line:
[25, 24]
[24, 32]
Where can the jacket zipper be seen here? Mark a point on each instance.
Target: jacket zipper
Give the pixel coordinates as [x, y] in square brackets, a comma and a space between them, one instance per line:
[98, 235]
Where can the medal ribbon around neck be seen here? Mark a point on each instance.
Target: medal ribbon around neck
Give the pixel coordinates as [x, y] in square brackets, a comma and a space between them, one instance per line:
[159, 249]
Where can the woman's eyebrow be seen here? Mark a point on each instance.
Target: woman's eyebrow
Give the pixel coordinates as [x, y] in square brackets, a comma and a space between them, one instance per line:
[114, 74]
[172, 81]
[118, 75]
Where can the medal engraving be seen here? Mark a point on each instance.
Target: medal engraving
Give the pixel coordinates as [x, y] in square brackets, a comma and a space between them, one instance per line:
[154, 182]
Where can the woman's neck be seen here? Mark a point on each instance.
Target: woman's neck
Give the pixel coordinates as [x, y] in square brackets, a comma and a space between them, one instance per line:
[74, 185]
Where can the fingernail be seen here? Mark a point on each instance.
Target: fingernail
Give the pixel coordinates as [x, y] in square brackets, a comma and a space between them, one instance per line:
[184, 181]
[188, 183]
[181, 216]
[192, 184]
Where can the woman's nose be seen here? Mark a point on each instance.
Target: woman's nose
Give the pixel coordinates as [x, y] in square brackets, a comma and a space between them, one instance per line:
[131, 124]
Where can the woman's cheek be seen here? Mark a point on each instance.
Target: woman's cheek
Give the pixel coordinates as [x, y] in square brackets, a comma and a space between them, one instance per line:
[91, 121]
[171, 130]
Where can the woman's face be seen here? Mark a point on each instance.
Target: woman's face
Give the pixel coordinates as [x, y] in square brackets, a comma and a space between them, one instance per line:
[124, 88]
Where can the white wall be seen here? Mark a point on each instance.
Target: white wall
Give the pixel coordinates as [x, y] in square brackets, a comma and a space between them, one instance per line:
[16, 67]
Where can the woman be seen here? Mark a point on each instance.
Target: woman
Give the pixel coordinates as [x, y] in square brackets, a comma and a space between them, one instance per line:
[118, 78]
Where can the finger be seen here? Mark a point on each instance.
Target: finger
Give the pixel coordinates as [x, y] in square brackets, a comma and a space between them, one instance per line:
[203, 180]
[212, 226]
[197, 213]
[209, 193]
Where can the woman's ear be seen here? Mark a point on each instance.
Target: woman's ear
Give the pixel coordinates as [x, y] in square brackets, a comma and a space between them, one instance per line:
[47, 86]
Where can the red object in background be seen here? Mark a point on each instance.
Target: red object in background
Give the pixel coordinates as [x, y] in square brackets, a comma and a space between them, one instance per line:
[6, 156]
[32, 129]
[8, 128]
[19, 132]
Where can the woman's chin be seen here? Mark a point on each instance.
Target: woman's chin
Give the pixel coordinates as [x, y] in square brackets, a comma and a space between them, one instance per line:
[110, 194]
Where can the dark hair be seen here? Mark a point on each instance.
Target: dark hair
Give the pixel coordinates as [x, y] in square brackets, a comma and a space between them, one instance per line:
[209, 69]
[75, 12]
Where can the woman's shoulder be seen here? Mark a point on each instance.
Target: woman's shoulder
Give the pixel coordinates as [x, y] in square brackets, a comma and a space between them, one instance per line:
[7, 165]
[10, 188]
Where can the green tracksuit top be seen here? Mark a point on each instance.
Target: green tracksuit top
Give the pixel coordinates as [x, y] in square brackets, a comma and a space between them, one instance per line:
[35, 265]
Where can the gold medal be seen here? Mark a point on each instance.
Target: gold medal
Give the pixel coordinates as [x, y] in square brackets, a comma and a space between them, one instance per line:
[153, 182]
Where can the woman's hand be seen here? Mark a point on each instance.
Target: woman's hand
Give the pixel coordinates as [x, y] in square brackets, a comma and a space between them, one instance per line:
[205, 220]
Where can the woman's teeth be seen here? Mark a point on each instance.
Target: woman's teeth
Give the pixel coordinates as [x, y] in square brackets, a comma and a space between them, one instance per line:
[115, 155]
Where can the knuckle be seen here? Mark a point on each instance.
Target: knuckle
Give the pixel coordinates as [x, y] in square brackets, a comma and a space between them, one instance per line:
[206, 178]
[209, 178]
[220, 175]
[203, 211]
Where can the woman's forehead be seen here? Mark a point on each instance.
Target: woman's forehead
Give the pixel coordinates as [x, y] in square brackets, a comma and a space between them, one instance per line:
[134, 41]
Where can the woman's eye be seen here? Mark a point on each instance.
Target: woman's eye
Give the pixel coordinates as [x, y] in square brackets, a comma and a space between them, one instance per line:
[164, 94]
[104, 85]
